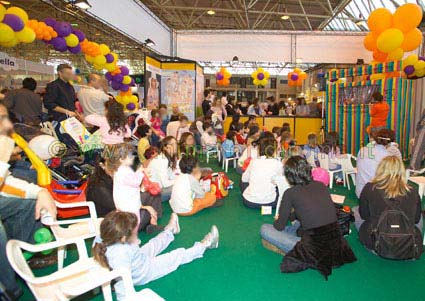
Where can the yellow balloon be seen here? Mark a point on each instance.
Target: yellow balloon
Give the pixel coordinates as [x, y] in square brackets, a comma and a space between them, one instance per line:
[126, 80]
[420, 73]
[266, 74]
[11, 43]
[89, 59]
[18, 12]
[104, 49]
[97, 66]
[99, 60]
[297, 70]
[389, 40]
[256, 82]
[134, 99]
[410, 60]
[419, 65]
[396, 55]
[115, 56]
[71, 40]
[110, 67]
[2, 12]
[6, 33]
[118, 98]
[26, 35]
[302, 75]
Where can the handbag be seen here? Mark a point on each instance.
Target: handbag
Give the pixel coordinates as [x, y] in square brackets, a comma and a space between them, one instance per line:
[152, 187]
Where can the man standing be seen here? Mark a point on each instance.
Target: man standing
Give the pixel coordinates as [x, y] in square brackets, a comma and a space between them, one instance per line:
[21, 204]
[379, 111]
[206, 103]
[91, 97]
[419, 146]
[60, 95]
[24, 104]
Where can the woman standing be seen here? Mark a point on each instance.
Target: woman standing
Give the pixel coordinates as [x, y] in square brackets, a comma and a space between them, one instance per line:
[255, 109]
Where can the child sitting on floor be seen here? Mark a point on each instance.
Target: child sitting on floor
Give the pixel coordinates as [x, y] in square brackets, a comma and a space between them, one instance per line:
[113, 126]
[208, 138]
[188, 197]
[228, 145]
[114, 250]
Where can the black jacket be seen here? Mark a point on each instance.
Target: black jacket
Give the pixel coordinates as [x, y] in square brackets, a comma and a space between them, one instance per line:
[372, 204]
[206, 106]
[59, 94]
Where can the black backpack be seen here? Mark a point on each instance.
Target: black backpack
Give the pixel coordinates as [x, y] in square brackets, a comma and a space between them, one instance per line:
[344, 219]
[394, 236]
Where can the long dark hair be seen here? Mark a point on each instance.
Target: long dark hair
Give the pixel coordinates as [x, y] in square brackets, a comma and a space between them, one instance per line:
[115, 226]
[298, 171]
[183, 147]
[172, 159]
[115, 116]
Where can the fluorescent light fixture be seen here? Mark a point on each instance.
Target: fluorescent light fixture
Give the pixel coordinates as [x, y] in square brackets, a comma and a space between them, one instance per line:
[211, 12]
[74, 24]
[82, 4]
[298, 60]
[149, 42]
[5, 2]
[285, 17]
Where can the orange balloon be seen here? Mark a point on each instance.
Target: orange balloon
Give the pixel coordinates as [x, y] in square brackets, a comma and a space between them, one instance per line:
[407, 17]
[379, 20]
[379, 56]
[303, 75]
[412, 40]
[369, 41]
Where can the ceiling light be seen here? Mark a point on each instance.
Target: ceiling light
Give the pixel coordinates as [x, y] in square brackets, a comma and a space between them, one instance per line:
[82, 4]
[211, 12]
[97, 34]
[149, 42]
[285, 17]
[5, 2]
[298, 60]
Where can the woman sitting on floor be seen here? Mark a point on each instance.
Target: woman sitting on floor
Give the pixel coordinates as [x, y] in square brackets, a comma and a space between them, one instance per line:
[188, 197]
[163, 168]
[187, 144]
[313, 240]
[263, 183]
[389, 189]
[100, 191]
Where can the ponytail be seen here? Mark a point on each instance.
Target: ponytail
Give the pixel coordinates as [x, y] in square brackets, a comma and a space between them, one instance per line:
[99, 254]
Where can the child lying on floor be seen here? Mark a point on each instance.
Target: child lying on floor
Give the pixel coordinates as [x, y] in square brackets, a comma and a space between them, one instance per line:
[188, 197]
[113, 250]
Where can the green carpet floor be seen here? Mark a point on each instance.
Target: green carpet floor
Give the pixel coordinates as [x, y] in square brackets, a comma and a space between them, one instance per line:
[241, 269]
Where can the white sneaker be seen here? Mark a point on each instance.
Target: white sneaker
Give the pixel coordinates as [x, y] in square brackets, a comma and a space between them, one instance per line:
[211, 239]
[173, 225]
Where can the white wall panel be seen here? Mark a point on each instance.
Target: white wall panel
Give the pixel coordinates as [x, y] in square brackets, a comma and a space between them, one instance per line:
[135, 21]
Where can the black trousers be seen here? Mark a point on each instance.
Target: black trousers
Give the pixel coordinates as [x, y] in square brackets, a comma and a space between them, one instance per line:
[155, 203]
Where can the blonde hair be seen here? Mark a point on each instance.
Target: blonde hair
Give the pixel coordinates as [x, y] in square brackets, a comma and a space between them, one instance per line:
[391, 177]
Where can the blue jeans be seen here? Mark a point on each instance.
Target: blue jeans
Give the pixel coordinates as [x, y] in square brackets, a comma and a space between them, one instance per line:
[166, 193]
[22, 170]
[284, 240]
[16, 222]
[359, 221]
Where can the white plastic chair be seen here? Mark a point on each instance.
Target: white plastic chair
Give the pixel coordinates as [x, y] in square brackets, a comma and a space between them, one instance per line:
[225, 162]
[324, 163]
[210, 153]
[348, 169]
[309, 156]
[420, 181]
[412, 171]
[76, 279]
[82, 228]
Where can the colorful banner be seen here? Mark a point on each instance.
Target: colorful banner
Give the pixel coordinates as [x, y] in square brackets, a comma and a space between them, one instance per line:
[178, 87]
[364, 70]
[351, 120]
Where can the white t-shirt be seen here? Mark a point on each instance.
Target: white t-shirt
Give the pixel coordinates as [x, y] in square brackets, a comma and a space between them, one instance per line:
[182, 197]
[173, 129]
[92, 100]
[160, 173]
[264, 175]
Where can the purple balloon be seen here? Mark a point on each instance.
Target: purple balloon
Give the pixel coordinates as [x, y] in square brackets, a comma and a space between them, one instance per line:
[294, 76]
[59, 44]
[124, 70]
[81, 36]
[75, 50]
[421, 58]
[109, 58]
[132, 83]
[50, 22]
[409, 69]
[118, 78]
[14, 22]
[260, 76]
[115, 85]
[108, 76]
[219, 76]
[124, 88]
[63, 29]
[130, 106]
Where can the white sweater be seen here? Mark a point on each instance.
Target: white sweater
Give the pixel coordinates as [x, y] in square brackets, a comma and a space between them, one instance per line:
[263, 176]
[127, 189]
[160, 173]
